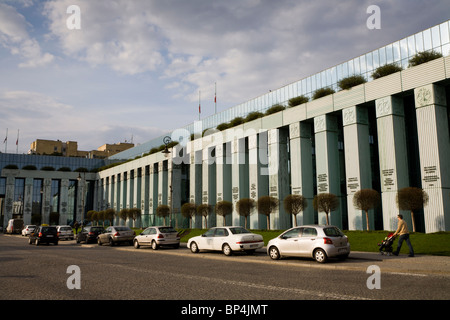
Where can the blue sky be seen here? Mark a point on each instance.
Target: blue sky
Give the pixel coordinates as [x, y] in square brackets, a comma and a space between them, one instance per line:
[135, 68]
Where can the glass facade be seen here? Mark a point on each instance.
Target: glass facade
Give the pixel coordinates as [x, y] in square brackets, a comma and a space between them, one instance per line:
[436, 38]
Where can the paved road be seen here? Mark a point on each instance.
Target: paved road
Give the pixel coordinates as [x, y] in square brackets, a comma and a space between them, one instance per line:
[109, 273]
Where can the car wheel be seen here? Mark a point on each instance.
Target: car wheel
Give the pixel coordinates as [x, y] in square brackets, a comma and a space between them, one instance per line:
[36, 242]
[274, 253]
[154, 245]
[111, 242]
[320, 256]
[226, 249]
[29, 241]
[136, 244]
[99, 242]
[194, 247]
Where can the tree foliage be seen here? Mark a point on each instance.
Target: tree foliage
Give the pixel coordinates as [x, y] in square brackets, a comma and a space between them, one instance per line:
[326, 202]
[266, 205]
[163, 211]
[244, 208]
[204, 210]
[224, 208]
[294, 204]
[365, 200]
[411, 199]
[188, 210]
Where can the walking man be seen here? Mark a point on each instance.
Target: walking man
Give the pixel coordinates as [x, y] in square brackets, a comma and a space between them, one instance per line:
[402, 230]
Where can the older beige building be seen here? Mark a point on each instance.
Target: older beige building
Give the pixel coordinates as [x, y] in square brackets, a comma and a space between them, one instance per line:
[70, 149]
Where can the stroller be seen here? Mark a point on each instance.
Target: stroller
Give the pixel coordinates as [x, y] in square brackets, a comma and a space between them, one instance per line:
[386, 244]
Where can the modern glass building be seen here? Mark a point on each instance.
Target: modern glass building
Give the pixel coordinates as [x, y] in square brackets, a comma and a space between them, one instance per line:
[385, 134]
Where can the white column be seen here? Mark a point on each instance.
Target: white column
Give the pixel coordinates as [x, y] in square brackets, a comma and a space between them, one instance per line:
[357, 162]
[64, 198]
[223, 178]
[239, 180]
[327, 163]
[302, 168]
[392, 156]
[258, 182]
[434, 151]
[27, 201]
[195, 171]
[279, 179]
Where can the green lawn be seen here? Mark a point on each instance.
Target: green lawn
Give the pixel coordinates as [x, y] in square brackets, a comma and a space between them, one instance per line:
[431, 243]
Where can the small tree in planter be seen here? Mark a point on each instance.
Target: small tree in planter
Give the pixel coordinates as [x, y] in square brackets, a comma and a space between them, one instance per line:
[188, 210]
[297, 101]
[386, 70]
[274, 109]
[322, 92]
[411, 199]
[134, 214]
[349, 82]
[266, 205]
[294, 204]
[204, 210]
[424, 56]
[245, 207]
[326, 202]
[123, 214]
[365, 200]
[224, 208]
[109, 215]
[163, 211]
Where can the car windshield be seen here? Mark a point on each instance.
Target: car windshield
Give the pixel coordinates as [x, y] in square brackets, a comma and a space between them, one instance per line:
[238, 230]
[333, 232]
[167, 230]
[48, 229]
[96, 228]
[66, 229]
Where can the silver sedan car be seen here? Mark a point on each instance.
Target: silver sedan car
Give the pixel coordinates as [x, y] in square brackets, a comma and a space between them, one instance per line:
[156, 237]
[319, 242]
[115, 235]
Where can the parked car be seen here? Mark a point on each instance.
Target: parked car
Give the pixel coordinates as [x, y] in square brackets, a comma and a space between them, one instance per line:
[227, 240]
[28, 229]
[156, 237]
[65, 233]
[14, 226]
[44, 234]
[314, 241]
[115, 235]
[90, 233]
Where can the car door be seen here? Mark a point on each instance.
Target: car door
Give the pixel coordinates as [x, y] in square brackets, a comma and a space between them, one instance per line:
[206, 241]
[105, 235]
[221, 236]
[307, 241]
[288, 244]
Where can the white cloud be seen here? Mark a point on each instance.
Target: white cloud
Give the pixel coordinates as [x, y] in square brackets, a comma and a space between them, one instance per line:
[14, 36]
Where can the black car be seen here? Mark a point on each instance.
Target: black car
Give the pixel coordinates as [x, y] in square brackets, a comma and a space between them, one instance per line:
[88, 234]
[44, 234]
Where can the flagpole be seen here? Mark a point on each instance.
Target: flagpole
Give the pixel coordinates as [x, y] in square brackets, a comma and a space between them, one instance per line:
[6, 140]
[17, 142]
[199, 108]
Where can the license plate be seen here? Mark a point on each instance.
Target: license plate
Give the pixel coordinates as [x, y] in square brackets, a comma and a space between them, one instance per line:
[253, 246]
[342, 250]
[49, 236]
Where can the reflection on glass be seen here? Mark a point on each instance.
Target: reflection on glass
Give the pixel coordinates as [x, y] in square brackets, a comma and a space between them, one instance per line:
[362, 63]
[445, 38]
[369, 62]
[376, 59]
[404, 49]
[382, 56]
[419, 42]
[427, 45]
[411, 46]
[435, 37]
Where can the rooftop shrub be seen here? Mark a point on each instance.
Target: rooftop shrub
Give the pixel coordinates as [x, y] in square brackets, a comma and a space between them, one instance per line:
[386, 70]
[349, 82]
[424, 56]
[322, 92]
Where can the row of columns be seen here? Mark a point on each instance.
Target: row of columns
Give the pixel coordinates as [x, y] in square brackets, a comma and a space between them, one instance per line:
[249, 166]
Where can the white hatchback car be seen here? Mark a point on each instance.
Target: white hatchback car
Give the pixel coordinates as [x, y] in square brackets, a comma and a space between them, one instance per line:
[28, 229]
[156, 237]
[315, 241]
[227, 240]
[65, 233]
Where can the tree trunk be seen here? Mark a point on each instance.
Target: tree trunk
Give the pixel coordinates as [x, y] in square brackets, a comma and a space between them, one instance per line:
[413, 221]
[295, 220]
[367, 220]
[328, 222]
[268, 222]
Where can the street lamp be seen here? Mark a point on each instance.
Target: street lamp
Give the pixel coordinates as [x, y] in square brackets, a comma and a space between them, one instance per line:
[167, 140]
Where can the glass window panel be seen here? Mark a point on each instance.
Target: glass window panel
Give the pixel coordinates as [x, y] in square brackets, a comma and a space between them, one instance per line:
[411, 46]
[382, 52]
[446, 49]
[445, 37]
[427, 45]
[435, 37]
[419, 42]
[404, 48]
[376, 59]
[345, 69]
[333, 72]
[318, 81]
[313, 83]
[369, 62]
[362, 63]
[308, 85]
[304, 90]
[351, 68]
[389, 56]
